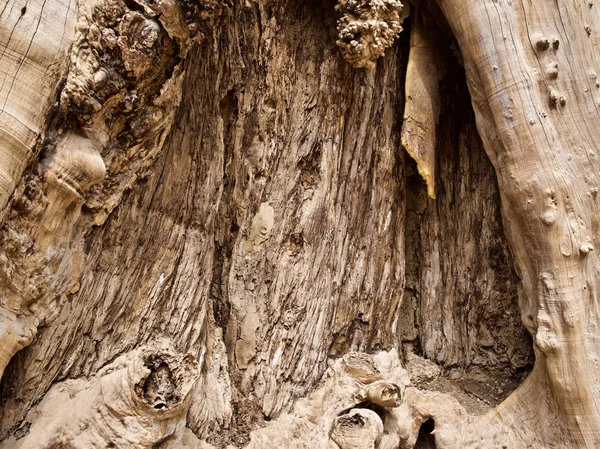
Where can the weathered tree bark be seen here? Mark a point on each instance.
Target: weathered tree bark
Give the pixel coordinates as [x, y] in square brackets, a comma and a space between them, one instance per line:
[214, 237]
[531, 74]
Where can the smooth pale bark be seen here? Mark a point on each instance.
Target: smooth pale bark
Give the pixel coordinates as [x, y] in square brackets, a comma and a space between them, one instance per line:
[34, 38]
[531, 74]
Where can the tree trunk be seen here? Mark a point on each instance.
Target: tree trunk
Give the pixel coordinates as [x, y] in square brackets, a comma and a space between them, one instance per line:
[533, 88]
[219, 230]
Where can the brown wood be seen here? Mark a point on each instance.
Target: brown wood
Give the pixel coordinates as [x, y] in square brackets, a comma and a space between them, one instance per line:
[213, 237]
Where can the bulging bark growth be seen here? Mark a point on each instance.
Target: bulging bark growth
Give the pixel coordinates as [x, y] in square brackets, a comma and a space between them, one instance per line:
[367, 28]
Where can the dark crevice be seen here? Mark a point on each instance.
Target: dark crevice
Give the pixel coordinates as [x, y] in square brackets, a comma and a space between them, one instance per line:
[426, 440]
[381, 411]
[416, 206]
[158, 388]
[226, 226]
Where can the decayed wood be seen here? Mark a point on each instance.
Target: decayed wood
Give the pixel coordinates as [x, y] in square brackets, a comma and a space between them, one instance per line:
[288, 228]
[269, 237]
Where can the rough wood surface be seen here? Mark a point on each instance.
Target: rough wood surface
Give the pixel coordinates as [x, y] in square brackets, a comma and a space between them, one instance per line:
[288, 227]
[219, 228]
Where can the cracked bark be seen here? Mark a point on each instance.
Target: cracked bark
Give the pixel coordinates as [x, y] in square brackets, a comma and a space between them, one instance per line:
[214, 186]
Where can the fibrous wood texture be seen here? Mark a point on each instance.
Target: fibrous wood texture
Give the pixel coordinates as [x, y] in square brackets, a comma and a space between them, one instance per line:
[115, 108]
[221, 240]
[218, 241]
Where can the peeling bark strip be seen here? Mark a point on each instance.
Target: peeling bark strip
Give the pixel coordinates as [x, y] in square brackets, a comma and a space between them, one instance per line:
[520, 58]
[422, 107]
